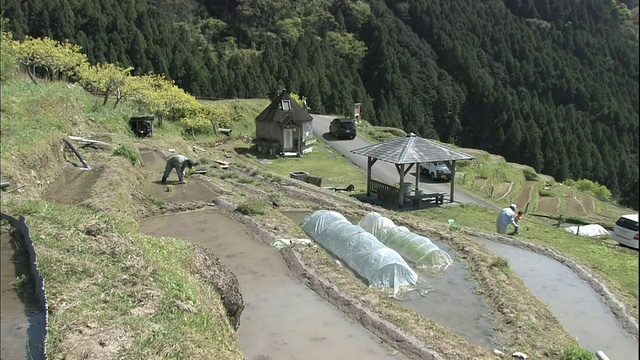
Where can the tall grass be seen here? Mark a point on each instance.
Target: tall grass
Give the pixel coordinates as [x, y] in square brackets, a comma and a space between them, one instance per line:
[32, 113]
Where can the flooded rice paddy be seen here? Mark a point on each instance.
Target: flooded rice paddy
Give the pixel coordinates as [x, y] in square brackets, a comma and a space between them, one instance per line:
[574, 303]
[450, 299]
[283, 318]
[22, 322]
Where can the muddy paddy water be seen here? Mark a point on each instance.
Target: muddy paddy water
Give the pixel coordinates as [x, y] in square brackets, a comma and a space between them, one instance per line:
[73, 186]
[574, 303]
[22, 323]
[283, 318]
[450, 299]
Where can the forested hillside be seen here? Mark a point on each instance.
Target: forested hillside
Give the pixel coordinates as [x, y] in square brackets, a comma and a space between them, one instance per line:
[548, 83]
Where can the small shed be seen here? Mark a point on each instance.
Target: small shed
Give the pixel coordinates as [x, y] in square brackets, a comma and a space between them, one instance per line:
[284, 127]
[142, 126]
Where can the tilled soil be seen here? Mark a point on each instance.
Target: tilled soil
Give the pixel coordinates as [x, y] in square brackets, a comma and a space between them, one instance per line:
[501, 190]
[525, 194]
[73, 186]
[548, 205]
[574, 206]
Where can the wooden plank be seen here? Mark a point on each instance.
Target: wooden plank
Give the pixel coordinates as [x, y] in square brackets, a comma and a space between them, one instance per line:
[88, 141]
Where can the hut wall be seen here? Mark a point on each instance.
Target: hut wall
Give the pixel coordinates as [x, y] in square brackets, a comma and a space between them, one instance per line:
[307, 130]
[269, 131]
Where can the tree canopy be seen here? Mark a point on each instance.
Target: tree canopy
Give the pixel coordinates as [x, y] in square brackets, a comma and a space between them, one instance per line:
[552, 84]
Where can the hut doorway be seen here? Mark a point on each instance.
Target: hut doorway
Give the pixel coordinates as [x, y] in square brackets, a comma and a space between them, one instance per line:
[288, 139]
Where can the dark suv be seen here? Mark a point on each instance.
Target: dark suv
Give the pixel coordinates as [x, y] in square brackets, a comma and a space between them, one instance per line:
[343, 128]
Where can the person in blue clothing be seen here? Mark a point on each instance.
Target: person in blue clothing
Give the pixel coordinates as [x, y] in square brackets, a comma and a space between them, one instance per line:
[180, 163]
[507, 217]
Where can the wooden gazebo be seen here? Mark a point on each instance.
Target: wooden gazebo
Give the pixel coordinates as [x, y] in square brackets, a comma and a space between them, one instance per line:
[405, 152]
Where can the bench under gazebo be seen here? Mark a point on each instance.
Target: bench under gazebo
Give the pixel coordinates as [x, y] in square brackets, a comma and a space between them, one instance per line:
[405, 153]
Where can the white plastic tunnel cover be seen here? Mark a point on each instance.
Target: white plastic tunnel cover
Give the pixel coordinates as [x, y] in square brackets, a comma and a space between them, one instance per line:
[360, 250]
[418, 249]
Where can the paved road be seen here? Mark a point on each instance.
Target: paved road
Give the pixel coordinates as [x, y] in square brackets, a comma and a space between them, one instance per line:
[386, 172]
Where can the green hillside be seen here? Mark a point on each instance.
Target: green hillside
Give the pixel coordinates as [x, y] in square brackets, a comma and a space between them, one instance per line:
[550, 84]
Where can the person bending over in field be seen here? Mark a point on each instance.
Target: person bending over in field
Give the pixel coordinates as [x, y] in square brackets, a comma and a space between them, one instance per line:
[507, 217]
[180, 163]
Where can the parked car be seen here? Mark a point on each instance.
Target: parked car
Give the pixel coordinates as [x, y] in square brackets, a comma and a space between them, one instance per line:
[625, 230]
[343, 128]
[436, 170]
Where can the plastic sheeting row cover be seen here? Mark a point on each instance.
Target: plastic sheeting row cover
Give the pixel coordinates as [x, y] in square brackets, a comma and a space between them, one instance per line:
[588, 230]
[359, 249]
[416, 248]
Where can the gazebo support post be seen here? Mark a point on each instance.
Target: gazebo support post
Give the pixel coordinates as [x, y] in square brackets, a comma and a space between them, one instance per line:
[400, 169]
[417, 177]
[453, 180]
[370, 162]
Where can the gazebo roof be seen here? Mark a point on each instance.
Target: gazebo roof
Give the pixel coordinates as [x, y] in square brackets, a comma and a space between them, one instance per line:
[411, 149]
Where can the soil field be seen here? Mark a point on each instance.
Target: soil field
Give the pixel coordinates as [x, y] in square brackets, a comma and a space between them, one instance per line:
[525, 194]
[574, 207]
[501, 190]
[548, 205]
[479, 183]
[73, 186]
[588, 203]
